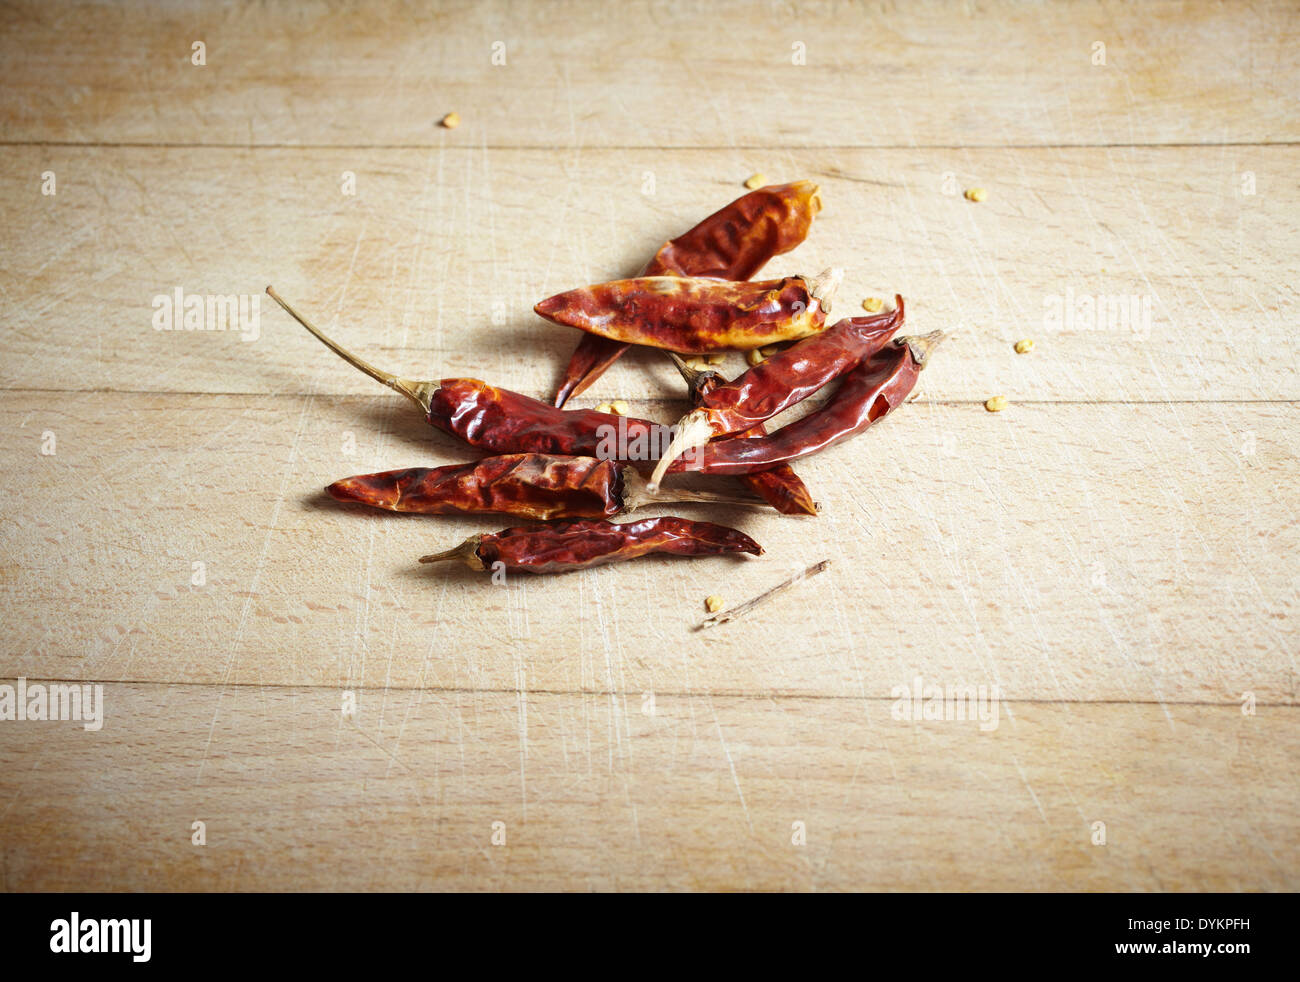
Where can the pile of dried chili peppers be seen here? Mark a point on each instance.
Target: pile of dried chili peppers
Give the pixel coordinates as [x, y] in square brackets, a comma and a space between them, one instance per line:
[572, 470]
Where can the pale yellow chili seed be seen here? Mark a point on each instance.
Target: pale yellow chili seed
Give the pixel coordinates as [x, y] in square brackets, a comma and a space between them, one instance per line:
[451, 121]
[1024, 346]
[996, 404]
[604, 407]
[769, 350]
[976, 194]
[755, 181]
[620, 407]
[713, 603]
[873, 305]
[717, 358]
[754, 356]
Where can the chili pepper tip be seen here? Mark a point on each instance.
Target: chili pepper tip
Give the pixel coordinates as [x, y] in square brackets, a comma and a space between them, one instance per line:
[363, 491]
[343, 490]
[549, 306]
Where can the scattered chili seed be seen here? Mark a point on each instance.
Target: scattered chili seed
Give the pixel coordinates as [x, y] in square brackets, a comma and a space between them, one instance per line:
[754, 356]
[450, 121]
[769, 350]
[996, 404]
[713, 603]
[755, 181]
[620, 407]
[976, 194]
[717, 358]
[1024, 346]
[873, 305]
[605, 407]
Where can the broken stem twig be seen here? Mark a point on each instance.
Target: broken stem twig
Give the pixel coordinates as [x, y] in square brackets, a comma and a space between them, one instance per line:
[727, 615]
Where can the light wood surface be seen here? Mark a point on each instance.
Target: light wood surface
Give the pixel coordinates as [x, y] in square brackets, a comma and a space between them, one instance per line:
[1115, 552]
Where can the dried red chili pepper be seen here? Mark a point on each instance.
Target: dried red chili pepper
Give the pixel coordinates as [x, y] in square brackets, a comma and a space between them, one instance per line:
[501, 421]
[877, 386]
[731, 244]
[565, 546]
[737, 241]
[538, 486]
[779, 382]
[695, 315]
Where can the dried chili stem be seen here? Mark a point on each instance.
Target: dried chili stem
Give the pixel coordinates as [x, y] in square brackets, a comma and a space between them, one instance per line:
[922, 346]
[466, 552]
[418, 392]
[692, 431]
[823, 286]
[748, 605]
[690, 375]
[637, 494]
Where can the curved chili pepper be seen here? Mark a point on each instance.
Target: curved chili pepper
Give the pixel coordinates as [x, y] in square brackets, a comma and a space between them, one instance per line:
[501, 421]
[566, 546]
[737, 241]
[589, 361]
[779, 382]
[877, 386]
[538, 486]
[731, 244]
[696, 315]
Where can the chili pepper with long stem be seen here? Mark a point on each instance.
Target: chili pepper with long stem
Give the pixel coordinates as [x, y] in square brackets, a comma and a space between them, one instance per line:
[876, 387]
[501, 421]
[694, 314]
[538, 486]
[779, 382]
[732, 244]
[565, 546]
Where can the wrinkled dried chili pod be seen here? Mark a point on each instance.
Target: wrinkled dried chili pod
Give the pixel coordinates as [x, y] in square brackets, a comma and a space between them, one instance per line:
[733, 243]
[876, 387]
[736, 242]
[695, 314]
[782, 381]
[537, 486]
[565, 546]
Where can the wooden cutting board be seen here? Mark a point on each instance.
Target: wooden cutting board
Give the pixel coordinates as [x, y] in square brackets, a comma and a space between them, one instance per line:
[1108, 565]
